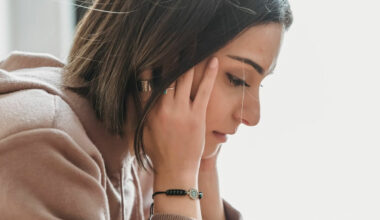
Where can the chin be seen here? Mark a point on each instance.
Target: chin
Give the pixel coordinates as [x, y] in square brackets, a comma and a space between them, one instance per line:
[210, 150]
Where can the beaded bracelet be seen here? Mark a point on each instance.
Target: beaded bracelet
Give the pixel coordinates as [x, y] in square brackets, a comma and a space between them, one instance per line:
[193, 194]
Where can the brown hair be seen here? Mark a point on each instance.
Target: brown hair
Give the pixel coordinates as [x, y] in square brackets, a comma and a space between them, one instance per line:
[117, 40]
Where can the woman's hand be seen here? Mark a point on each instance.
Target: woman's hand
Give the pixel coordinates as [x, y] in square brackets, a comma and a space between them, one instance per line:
[174, 135]
[209, 164]
[208, 182]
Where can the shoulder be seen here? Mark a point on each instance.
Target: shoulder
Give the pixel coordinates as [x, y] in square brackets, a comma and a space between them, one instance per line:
[21, 59]
[46, 159]
[26, 109]
[35, 109]
[32, 97]
[46, 168]
[48, 165]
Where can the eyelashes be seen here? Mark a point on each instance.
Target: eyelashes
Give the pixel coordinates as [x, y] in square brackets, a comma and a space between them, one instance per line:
[236, 82]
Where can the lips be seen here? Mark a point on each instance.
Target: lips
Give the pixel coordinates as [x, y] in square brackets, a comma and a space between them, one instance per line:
[227, 133]
[219, 132]
[220, 136]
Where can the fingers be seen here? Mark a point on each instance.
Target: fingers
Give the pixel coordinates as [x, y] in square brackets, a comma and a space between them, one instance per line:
[170, 93]
[207, 84]
[183, 88]
[183, 85]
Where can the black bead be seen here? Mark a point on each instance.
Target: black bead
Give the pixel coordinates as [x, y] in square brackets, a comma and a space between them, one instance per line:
[200, 195]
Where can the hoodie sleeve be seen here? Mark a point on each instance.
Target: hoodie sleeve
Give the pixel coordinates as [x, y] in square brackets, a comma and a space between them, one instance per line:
[230, 212]
[45, 175]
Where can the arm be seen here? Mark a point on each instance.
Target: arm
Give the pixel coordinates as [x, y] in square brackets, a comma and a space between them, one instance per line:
[177, 205]
[211, 203]
[213, 206]
[44, 174]
[146, 180]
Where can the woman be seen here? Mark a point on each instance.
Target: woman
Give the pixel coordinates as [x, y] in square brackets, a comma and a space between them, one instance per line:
[157, 83]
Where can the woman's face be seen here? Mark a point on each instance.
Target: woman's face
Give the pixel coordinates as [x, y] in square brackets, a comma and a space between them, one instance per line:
[228, 107]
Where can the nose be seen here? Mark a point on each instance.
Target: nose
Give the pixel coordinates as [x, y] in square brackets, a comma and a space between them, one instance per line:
[249, 113]
[251, 118]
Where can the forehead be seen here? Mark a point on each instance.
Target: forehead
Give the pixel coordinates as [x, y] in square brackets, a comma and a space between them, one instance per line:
[260, 43]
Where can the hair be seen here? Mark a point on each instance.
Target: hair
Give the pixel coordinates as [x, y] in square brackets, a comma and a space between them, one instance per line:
[117, 40]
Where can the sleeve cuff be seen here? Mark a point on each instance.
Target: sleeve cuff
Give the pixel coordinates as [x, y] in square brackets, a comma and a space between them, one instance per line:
[170, 217]
[230, 212]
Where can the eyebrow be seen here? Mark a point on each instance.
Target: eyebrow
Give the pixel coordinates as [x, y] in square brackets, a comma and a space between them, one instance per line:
[249, 62]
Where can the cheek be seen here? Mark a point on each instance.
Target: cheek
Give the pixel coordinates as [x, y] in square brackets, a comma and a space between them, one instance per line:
[223, 101]
[219, 107]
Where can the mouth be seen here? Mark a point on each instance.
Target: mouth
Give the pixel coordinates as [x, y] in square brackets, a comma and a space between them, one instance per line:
[220, 136]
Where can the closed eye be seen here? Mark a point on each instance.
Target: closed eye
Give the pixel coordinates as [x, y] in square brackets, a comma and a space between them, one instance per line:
[235, 81]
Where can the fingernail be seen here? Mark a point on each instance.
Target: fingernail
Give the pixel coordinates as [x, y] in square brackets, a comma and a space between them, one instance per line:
[214, 63]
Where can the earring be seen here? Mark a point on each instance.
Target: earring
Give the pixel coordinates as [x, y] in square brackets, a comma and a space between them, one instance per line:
[144, 86]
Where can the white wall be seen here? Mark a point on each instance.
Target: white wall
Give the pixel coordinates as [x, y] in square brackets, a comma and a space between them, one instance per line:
[316, 153]
[37, 26]
[4, 28]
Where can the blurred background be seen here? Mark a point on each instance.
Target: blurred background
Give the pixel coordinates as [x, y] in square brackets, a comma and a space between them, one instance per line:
[45, 26]
[316, 152]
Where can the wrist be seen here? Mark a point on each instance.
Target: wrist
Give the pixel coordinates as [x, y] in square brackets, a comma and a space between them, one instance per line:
[207, 169]
[208, 165]
[168, 180]
[182, 205]
[184, 168]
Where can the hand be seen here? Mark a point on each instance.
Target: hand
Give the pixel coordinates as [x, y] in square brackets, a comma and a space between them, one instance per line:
[209, 164]
[208, 181]
[174, 135]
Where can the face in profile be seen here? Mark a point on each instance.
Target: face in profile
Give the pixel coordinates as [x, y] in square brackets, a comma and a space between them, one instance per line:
[243, 64]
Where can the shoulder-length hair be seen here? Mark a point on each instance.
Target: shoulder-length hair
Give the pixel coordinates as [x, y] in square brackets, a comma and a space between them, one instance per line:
[118, 39]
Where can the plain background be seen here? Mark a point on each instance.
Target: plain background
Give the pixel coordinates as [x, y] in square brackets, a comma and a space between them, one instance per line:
[315, 153]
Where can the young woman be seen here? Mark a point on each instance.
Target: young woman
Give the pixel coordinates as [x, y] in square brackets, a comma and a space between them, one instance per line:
[147, 97]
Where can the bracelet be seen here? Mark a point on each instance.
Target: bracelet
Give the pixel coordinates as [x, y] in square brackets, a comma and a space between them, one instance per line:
[193, 193]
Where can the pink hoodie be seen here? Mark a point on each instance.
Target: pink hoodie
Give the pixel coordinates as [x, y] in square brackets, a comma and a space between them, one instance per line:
[50, 163]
